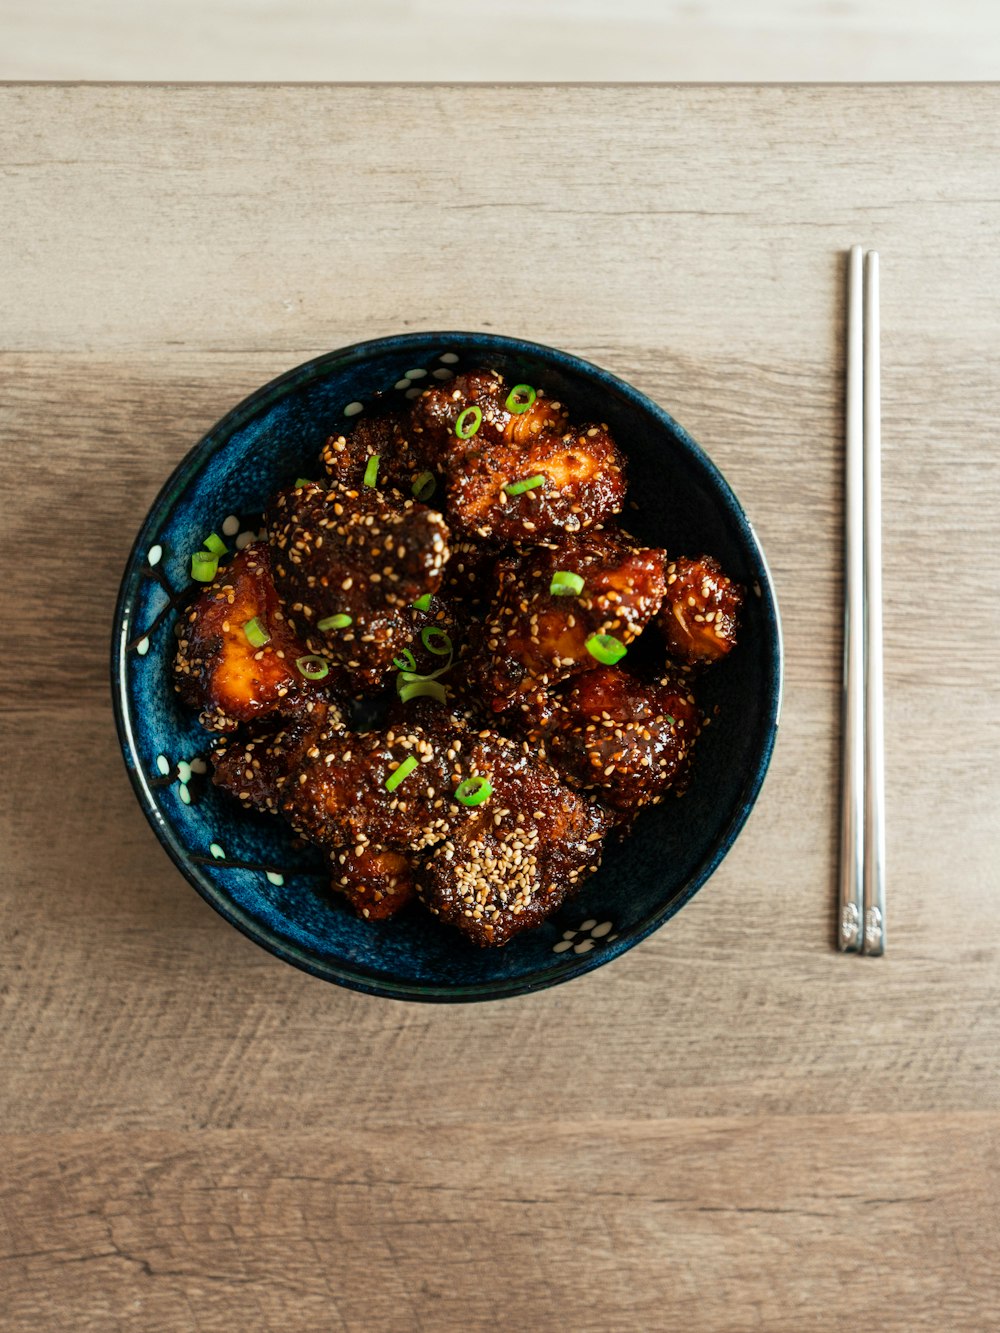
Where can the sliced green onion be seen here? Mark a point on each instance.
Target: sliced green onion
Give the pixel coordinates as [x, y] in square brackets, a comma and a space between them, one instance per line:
[670, 721]
[520, 398]
[468, 422]
[313, 668]
[405, 663]
[528, 484]
[606, 648]
[424, 486]
[423, 603]
[204, 566]
[565, 584]
[339, 621]
[256, 633]
[474, 791]
[371, 470]
[302, 481]
[401, 773]
[411, 677]
[408, 677]
[431, 632]
[416, 689]
[214, 543]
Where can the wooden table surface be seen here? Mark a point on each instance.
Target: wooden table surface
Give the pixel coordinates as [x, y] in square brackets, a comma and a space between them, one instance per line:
[732, 1126]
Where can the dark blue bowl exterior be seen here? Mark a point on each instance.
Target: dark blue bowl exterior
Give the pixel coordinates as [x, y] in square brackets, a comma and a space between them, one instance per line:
[263, 444]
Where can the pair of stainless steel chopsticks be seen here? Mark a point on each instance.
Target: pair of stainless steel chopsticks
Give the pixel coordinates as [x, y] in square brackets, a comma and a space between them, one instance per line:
[861, 923]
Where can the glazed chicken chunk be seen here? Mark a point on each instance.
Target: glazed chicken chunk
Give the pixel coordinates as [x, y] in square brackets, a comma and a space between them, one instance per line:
[510, 863]
[437, 410]
[535, 637]
[518, 477]
[623, 740]
[353, 554]
[699, 614]
[384, 433]
[376, 882]
[339, 795]
[254, 769]
[219, 670]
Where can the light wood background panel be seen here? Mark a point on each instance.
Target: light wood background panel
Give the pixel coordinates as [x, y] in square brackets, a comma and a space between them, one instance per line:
[731, 1127]
[500, 40]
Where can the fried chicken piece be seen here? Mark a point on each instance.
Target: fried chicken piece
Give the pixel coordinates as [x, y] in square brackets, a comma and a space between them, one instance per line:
[346, 552]
[436, 412]
[385, 431]
[582, 470]
[512, 861]
[700, 611]
[219, 671]
[255, 769]
[582, 484]
[536, 638]
[339, 798]
[376, 882]
[518, 855]
[611, 734]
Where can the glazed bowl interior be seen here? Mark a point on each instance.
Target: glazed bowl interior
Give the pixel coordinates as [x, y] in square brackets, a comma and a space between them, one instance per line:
[249, 866]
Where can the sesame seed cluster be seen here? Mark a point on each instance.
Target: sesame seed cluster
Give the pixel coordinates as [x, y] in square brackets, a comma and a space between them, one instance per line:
[359, 553]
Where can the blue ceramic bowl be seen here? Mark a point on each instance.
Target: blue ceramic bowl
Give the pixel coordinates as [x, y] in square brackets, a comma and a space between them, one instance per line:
[247, 866]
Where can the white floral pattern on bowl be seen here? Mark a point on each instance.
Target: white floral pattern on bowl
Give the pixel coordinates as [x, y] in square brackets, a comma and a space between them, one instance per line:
[593, 932]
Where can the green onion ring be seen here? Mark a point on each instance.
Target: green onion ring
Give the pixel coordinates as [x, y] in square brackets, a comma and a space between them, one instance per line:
[401, 773]
[473, 414]
[565, 584]
[422, 603]
[408, 677]
[407, 662]
[312, 667]
[528, 484]
[204, 566]
[430, 632]
[339, 621]
[256, 633]
[424, 486]
[430, 689]
[520, 398]
[302, 481]
[474, 791]
[371, 470]
[214, 543]
[606, 648]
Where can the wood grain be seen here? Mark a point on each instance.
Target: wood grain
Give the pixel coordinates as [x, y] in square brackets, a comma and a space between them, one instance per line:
[604, 1225]
[732, 1126]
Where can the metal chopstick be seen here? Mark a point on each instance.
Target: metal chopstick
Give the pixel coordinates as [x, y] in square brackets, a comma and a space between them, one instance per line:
[874, 780]
[849, 932]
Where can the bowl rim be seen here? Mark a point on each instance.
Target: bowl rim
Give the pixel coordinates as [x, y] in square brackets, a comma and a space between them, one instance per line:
[358, 978]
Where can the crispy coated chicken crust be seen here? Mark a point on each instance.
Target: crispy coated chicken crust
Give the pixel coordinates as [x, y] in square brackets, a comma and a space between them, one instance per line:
[626, 741]
[219, 671]
[354, 553]
[700, 610]
[534, 637]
